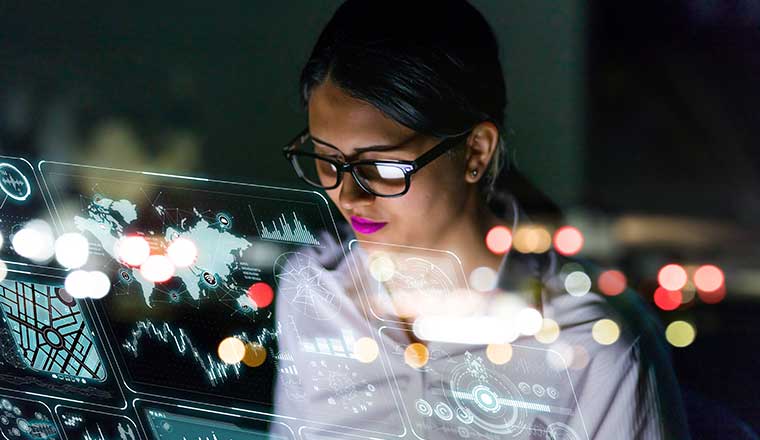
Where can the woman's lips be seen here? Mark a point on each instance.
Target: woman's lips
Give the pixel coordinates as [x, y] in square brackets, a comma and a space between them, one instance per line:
[366, 226]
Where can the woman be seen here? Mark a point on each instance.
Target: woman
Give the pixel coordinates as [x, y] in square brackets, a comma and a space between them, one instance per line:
[406, 104]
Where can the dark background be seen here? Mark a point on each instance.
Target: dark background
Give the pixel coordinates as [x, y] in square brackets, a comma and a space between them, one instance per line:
[639, 119]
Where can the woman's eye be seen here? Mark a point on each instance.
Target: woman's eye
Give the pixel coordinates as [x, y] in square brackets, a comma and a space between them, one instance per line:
[390, 172]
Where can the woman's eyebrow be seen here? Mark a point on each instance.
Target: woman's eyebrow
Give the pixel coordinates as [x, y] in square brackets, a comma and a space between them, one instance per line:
[360, 149]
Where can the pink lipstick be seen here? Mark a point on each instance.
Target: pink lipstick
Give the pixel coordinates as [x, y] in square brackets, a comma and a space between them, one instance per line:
[366, 226]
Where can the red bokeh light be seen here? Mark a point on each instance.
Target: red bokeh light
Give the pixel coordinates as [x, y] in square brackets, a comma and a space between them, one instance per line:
[708, 278]
[672, 277]
[713, 297]
[261, 294]
[667, 299]
[499, 240]
[612, 282]
[568, 240]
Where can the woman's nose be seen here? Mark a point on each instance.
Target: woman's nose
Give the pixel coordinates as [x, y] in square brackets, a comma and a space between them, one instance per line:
[352, 195]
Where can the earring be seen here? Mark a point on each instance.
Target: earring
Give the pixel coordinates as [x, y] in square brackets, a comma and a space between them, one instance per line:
[474, 173]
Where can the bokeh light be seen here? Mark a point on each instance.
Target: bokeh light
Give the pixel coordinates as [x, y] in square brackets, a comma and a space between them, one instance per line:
[483, 279]
[532, 239]
[499, 240]
[72, 250]
[712, 297]
[708, 278]
[529, 321]
[100, 284]
[499, 354]
[416, 355]
[261, 294]
[381, 267]
[182, 252]
[549, 331]
[605, 331]
[672, 277]
[231, 350]
[366, 350]
[680, 334]
[668, 299]
[255, 355]
[133, 250]
[560, 356]
[612, 282]
[568, 240]
[157, 268]
[577, 283]
[34, 241]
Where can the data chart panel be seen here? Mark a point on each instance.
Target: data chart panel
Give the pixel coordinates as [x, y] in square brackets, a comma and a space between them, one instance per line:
[82, 424]
[465, 391]
[22, 419]
[166, 422]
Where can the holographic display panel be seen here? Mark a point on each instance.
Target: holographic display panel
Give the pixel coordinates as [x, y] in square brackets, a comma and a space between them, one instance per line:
[82, 424]
[50, 332]
[22, 419]
[165, 422]
[469, 394]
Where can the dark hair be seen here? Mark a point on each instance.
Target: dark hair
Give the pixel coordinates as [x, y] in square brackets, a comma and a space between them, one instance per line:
[430, 65]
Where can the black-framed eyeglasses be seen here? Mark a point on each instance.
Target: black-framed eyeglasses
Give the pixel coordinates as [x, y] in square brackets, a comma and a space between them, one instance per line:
[382, 178]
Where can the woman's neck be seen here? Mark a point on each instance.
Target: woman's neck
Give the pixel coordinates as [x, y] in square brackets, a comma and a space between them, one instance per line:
[466, 236]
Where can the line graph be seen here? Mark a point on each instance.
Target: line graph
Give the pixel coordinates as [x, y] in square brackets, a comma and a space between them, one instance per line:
[216, 372]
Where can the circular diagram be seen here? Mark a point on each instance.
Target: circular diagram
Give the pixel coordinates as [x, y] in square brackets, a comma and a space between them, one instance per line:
[560, 431]
[301, 279]
[487, 398]
[418, 277]
[13, 183]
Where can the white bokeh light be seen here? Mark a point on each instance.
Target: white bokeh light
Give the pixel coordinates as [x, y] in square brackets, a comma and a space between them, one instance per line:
[182, 252]
[77, 284]
[72, 250]
[100, 285]
[157, 268]
[529, 321]
[483, 279]
[133, 250]
[35, 241]
[577, 283]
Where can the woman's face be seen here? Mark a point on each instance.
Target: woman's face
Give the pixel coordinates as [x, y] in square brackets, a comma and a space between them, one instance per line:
[438, 194]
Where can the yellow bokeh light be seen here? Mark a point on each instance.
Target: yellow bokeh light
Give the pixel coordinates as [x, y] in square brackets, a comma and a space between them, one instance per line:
[680, 334]
[549, 331]
[532, 239]
[366, 350]
[231, 350]
[416, 355]
[605, 331]
[381, 267]
[499, 354]
[255, 355]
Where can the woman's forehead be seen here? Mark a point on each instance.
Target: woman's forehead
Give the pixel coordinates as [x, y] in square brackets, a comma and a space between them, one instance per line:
[349, 123]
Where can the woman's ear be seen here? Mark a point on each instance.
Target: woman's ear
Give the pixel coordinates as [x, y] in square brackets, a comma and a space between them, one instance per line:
[481, 146]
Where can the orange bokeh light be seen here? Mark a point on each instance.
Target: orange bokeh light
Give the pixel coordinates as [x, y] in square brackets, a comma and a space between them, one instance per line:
[568, 240]
[499, 240]
[667, 299]
[612, 282]
[672, 277]
[708, 278]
